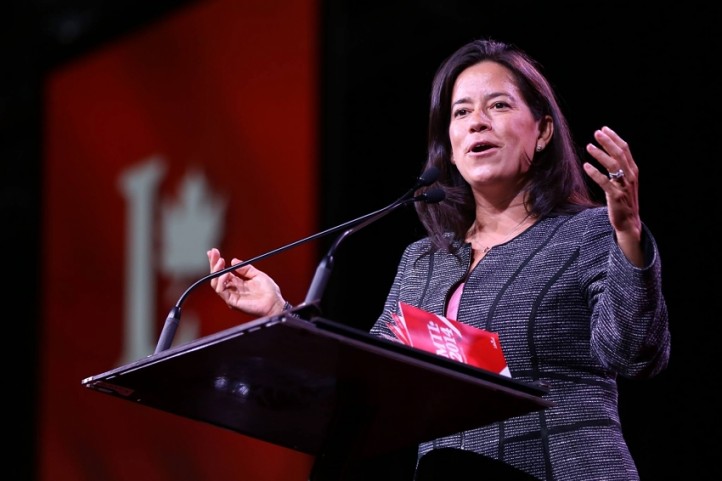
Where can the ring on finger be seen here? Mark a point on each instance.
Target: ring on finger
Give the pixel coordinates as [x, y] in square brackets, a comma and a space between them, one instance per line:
[617, 176]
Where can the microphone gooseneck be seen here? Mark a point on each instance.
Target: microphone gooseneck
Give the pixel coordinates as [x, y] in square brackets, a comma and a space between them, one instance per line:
[425, 179]
[323, 271]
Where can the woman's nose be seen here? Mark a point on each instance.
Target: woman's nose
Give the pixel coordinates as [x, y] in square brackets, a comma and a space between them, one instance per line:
[479, 121]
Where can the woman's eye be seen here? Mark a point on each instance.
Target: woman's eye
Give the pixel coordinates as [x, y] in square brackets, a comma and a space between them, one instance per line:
[499, 105]
[459, 112]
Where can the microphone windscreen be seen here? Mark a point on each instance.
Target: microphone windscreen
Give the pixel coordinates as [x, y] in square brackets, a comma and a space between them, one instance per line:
[428, 177]
[433, 196]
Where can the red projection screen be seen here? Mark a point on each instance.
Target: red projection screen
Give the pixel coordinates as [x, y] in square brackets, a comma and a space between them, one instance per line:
[196, 131]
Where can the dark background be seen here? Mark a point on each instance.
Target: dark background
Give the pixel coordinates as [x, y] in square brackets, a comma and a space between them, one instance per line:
[652, 73]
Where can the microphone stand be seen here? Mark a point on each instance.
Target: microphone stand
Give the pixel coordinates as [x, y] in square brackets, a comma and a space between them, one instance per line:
[171, 323]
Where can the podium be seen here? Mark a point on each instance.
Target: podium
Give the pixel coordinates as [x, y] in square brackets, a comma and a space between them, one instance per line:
[319, 387]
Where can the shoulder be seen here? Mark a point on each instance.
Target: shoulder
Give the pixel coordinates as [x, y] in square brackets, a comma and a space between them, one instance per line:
[425, 248]
[418, 247]
[588, 218]
[592, 219]
[425, 245]
[588, 225]
[592, 214]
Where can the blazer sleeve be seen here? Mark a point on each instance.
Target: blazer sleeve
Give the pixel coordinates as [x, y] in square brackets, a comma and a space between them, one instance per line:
[629, 317]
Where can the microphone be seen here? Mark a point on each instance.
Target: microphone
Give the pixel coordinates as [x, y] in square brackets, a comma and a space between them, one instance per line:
[425, 179]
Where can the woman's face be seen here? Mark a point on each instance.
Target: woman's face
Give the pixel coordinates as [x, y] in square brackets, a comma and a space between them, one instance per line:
[492, 131]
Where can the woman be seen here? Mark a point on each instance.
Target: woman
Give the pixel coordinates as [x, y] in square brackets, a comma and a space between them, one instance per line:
[520, 248]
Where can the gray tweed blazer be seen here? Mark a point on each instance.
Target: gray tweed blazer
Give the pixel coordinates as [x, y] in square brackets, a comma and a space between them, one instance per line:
[571, 312]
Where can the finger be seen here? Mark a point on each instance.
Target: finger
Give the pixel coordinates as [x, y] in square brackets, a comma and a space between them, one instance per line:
[218, 282]
[617, 149]
[213, 256]
[611, 141]
[630, 167]
[614, 137]
[246, 272]
[604, 159]
[596, 175]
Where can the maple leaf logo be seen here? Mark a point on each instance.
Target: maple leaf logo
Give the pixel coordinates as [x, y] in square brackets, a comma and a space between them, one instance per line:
[190, 224]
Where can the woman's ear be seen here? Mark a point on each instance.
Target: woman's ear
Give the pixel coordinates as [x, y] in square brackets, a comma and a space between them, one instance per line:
[546, 130]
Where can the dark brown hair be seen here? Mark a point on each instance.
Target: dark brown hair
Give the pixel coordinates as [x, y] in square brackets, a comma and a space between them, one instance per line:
[555, 180]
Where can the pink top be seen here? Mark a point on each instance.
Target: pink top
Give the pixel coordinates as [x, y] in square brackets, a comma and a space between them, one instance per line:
[453, 308]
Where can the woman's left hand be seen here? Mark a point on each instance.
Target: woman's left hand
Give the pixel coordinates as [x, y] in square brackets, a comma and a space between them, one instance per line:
[621, 189]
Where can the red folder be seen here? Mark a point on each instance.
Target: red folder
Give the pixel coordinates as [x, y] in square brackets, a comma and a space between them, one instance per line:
[446, 337]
